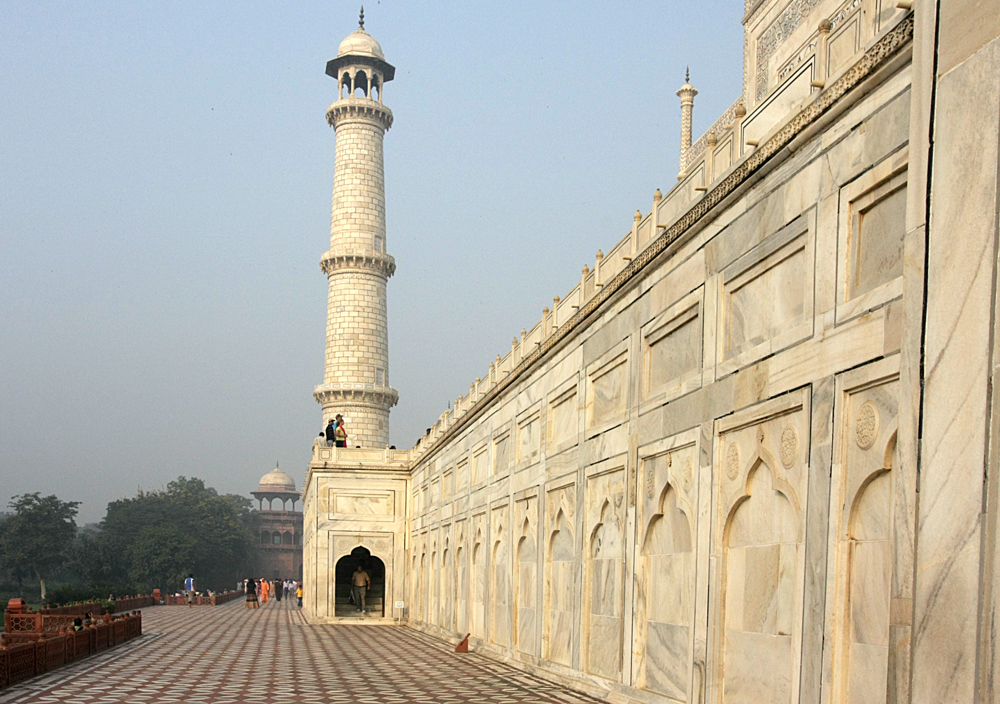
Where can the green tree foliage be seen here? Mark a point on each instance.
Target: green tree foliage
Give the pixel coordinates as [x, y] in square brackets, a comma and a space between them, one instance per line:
[154, 539]
[36, 538]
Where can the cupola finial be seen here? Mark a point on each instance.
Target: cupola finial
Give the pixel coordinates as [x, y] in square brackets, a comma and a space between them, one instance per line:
[361, 20]
[687, 69]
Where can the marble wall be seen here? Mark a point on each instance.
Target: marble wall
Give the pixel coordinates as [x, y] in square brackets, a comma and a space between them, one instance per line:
[701, 495]
[751, 458]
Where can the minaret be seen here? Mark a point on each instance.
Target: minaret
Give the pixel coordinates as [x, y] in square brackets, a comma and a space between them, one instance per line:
[686, 94]
[356, 380]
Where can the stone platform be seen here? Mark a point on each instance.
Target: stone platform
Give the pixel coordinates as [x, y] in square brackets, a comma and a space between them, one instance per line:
[230, 654]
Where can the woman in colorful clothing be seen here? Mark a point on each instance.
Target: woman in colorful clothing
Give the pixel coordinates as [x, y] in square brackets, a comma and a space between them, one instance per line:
[340, 432]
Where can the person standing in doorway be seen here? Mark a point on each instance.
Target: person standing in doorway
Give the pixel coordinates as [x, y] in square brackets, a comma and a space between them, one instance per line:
[360, 583]
[340, 432]
[189, 589]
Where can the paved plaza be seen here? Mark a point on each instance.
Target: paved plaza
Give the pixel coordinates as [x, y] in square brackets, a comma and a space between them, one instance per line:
[228, 654]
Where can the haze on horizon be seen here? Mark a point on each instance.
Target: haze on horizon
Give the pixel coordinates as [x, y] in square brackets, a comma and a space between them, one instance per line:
[165, 199]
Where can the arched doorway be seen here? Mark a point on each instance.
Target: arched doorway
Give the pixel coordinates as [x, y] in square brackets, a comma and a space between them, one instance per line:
[375, 598]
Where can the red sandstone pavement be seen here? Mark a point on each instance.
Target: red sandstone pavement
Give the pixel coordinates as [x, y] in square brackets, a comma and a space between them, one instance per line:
[226, 654]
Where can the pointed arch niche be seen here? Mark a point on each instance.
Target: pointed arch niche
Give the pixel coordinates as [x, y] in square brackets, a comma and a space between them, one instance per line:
[560, 583]
[604, 570]
[479, 577]
[869, 573]
[760, 470]
[665, 605]
[525, 610]
[500, 587]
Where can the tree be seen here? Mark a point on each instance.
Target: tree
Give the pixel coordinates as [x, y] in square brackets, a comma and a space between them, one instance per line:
[156, 538]
[35, 539]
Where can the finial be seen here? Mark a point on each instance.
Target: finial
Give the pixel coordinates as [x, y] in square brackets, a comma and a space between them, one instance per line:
[361, 20]
[687, 69]
[638, 215]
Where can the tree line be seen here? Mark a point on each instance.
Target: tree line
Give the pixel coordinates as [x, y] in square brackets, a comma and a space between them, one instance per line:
[152, 540]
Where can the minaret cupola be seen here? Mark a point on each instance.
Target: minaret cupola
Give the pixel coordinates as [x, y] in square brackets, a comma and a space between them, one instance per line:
[360, 67]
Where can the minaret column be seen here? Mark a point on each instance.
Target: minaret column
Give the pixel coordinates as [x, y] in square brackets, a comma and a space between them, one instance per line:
[356, 376]
[686, 94]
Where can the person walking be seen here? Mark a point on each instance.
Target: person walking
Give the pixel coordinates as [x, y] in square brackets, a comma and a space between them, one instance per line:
[340, 432]
[251, 590]
[298, 593]
[265, 591]
[360, 583]
[189, 589]
[257, 589]
[277, 591]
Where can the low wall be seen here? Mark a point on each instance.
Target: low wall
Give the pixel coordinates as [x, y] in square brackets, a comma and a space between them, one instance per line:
[216, 600]
[95, 607]
[37, 643]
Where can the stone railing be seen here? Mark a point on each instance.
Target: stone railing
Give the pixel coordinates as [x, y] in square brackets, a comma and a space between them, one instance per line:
[360, 456]
[128, 603]
[214, 600]
[36, 643]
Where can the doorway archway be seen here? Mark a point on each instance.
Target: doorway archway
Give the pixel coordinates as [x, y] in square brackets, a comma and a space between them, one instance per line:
[374, 599]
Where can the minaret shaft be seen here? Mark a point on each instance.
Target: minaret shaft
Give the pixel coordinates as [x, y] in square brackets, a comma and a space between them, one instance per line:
[356, 376]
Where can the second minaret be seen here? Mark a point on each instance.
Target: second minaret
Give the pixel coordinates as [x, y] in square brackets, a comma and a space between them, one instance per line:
[356, 379]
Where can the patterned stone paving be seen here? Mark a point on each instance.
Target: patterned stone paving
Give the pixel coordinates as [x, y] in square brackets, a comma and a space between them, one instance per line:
[229, 654]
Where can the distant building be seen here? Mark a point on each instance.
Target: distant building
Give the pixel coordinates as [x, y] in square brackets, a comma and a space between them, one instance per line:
[280, 526]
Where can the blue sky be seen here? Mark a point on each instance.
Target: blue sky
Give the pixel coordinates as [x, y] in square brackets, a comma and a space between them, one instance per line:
[165, 183]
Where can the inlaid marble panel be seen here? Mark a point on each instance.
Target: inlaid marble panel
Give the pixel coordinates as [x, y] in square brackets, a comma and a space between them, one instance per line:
[608, 392]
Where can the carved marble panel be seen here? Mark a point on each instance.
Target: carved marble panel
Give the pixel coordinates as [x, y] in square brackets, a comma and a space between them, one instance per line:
[526, 574]
[500, 571]
[666, 570]
[604, 573]
[501, 453]
[480, 464]
[560, 576]
[869, 625]
[479, 577]
[462, 581]
[761, 480]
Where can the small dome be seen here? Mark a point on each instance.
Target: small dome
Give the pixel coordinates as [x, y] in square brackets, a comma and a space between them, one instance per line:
[276, 480]
[360, 43]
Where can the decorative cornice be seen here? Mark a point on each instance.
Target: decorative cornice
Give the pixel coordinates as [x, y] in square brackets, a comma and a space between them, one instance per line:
[873, 59]
[378, 396]
[358, 109]
[382, 264]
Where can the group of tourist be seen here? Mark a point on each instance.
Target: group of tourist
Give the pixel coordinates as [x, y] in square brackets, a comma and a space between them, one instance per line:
[260, 591]
[335, 433]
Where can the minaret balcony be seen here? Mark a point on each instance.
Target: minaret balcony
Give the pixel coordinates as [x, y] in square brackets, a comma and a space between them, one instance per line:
[369, 394]
[358, 108]
[379, 262]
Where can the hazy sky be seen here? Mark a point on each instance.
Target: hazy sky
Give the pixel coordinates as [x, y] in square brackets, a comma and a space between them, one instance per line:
[165, 182]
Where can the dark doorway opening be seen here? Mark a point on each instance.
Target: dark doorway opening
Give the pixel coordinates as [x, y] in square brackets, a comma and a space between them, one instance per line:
[375, 598]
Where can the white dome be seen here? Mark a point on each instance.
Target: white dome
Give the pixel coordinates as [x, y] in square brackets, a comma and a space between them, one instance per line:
[360, 43]
[276, 480]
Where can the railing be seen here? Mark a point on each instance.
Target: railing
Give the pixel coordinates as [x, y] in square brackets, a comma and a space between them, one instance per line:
[359, 456]
[214, 600]
[129, 603]
[36, 643]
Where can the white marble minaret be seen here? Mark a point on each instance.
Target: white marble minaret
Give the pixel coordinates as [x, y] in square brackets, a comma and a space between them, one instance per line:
[356, 381]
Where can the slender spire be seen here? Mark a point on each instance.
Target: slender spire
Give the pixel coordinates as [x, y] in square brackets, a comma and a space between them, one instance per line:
[687, 69]
[361, 20]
